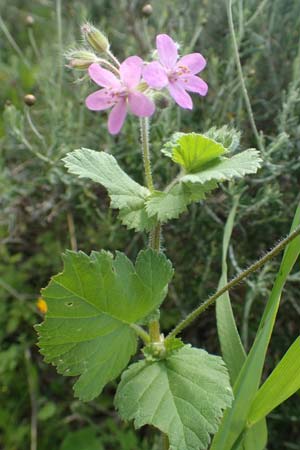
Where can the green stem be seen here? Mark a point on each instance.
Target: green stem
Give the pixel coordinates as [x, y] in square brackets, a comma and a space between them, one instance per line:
[165, 442]
[113, 58]
[154, 331]
[141, 333]
[194, 314]
[146, 152]
[33, 401]
[241, 77]
[155, 233]
[60, 45]
[12, 42]
[33, 44]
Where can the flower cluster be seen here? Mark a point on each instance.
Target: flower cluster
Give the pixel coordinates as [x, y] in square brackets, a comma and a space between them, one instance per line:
[131, 86]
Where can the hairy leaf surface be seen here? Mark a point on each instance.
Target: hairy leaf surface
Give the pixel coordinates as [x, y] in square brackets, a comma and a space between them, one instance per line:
[169, 205]
[193, 151]
[225, 169]
[183, 395]
[91, 306]
[125, 194]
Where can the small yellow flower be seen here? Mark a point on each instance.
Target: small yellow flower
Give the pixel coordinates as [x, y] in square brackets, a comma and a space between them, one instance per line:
[42, 305]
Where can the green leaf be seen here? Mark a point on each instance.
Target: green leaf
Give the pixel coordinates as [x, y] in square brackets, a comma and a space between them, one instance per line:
[183, 395]
[224, 169]
[137, 219]
[168, 147]
[124, 192]
[283, 382]
[193, 151]
[233, 351]
[246, 386]
[232, 348]
[84, 439]
[228, 137]
[169, 205]
[91, 305]
[256, 438]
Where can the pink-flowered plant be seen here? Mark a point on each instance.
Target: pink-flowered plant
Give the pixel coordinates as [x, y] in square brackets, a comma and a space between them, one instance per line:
[178, 76]
[120, 94]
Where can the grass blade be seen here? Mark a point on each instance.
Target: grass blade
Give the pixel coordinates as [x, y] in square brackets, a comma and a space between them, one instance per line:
[283, 382]
[247, 383]
[232, 348]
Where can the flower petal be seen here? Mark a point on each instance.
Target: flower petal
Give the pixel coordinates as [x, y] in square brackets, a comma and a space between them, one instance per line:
[167, 50]
[117, 117]
[140, 105]
[99, 100]
[194, 61]
[155, 75]
[131, 70]
[194, 84]
[102, 76]
[180, 96]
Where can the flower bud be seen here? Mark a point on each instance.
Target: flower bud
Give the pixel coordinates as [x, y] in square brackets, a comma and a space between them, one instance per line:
[142, 86]
[95, 38]
[80, 59]
[147, 10]
[161, 101]
[29, 20]
[29, 99]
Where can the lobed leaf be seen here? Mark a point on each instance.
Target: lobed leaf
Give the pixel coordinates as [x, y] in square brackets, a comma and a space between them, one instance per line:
[228, 137]
[183, 395]
[170, 204]
[124, 192]
[193, 151]
[226, 169]
[91, 306]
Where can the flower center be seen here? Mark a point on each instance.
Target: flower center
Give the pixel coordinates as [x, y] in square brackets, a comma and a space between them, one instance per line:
[175, 74]
[116, 94]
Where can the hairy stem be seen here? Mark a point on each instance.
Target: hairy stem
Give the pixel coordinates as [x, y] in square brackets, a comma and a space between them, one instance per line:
[113, 58]
[194, 314]
[146, 152]
[155, 233]
[154, 331]
[141, 333]
[241, 77]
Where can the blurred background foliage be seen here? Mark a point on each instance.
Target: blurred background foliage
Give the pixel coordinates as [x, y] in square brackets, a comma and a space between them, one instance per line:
[44, 210]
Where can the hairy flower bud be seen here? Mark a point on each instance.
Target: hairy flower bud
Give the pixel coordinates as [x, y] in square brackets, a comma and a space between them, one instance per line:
[95, 38]
[161, 101]
[29, 99]
[142, 86]
[80, 59]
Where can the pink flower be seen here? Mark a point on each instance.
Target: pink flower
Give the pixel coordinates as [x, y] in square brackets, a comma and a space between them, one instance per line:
[119, 93]
[177, 76]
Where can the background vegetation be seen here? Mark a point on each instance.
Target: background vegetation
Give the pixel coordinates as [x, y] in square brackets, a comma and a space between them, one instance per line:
[44, 210]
